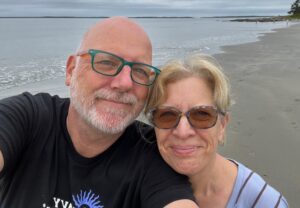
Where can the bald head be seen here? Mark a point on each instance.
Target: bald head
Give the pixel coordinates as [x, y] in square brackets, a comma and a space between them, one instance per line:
[121, 36]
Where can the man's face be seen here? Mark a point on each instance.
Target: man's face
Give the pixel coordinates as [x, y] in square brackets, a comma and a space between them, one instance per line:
[107, 103]
[103, 107]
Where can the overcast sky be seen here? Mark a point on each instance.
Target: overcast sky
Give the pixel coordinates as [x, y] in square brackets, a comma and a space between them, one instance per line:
[198, 8]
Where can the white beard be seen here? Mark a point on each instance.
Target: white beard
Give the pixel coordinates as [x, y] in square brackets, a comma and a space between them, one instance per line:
[106, 119]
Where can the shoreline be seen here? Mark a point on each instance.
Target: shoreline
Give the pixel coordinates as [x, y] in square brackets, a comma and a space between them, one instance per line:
[262, 19]
[250, 18]
[56, 85]
[264, 131]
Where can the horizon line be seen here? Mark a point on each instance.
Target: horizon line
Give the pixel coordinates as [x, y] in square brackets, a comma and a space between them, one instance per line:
[223, 16]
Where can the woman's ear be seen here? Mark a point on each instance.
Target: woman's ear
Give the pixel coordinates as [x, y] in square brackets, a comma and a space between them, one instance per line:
[224, 120]
[69, 69]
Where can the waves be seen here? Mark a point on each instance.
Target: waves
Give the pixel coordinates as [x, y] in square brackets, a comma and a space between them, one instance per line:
[31, 52]
[13, 75]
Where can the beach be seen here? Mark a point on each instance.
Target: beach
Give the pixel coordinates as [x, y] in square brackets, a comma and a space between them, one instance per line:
[264, 130]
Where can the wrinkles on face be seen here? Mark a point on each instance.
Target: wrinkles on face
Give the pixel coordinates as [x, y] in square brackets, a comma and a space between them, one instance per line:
[105, 118]
[110, 103]
[186, 149]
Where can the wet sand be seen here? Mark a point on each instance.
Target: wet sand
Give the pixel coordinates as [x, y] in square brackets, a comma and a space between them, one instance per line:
[264, 132]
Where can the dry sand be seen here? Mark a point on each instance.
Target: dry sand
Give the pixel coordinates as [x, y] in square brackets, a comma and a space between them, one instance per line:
[264, 133]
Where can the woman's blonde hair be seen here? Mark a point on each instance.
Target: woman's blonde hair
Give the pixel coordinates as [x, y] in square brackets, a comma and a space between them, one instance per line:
[197, 65]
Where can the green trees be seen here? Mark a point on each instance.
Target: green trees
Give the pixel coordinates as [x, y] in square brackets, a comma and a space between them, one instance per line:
[295, 8]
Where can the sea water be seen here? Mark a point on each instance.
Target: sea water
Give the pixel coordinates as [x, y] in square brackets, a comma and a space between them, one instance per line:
[35, 49]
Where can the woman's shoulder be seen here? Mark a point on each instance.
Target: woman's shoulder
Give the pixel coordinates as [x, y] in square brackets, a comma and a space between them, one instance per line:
[251, 190]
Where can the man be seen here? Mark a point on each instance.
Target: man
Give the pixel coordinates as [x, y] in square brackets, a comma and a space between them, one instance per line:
[88, 152]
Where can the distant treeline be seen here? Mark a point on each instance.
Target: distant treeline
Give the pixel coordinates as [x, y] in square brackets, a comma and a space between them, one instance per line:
[90, 17]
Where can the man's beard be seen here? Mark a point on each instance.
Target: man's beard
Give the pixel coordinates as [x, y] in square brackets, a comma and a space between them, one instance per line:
[107, 120]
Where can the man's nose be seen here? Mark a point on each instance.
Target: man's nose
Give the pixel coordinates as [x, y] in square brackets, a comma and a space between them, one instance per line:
[123, 81]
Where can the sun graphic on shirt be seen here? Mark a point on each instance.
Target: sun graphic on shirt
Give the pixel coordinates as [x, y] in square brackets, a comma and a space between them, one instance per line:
[86, 200]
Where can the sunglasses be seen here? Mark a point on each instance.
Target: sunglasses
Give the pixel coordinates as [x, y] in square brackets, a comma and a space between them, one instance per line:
[200, 117]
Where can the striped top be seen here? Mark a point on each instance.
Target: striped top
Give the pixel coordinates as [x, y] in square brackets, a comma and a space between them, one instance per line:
[251, 190]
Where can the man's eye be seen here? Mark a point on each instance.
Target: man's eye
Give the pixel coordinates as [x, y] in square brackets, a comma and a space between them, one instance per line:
[140, 72]
[105, 63]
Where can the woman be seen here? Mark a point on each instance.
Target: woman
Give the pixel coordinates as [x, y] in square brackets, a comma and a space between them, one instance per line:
[188, 106]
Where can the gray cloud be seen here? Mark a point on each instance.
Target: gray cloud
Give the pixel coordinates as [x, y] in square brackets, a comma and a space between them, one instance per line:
[143, 7]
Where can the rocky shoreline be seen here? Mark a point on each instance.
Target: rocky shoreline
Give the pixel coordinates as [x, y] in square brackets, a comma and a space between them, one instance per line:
[262, 19]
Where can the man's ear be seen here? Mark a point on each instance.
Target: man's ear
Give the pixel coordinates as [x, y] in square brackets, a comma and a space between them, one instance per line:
[69, 69]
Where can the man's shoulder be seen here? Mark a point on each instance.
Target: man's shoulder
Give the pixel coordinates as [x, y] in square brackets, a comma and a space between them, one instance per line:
[34, 107]
[30, 96]
[140, 138]
[141, 133]
[146, 131]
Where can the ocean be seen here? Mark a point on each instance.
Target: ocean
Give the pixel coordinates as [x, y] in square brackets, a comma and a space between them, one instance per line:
[35, 49]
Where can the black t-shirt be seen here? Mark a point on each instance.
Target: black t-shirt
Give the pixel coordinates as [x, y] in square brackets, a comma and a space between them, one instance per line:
[42, 169]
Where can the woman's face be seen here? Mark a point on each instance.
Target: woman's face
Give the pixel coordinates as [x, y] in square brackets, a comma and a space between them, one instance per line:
[186, 149]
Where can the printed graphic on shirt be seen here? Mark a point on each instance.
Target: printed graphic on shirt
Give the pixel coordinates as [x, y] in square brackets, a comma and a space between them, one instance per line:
[87, 200]
[83, 200]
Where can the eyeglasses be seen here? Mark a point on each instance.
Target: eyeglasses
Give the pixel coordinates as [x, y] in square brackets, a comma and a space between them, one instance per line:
[200, 117]
[109, 64]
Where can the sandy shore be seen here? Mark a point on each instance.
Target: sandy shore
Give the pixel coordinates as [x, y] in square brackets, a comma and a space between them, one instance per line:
[264, 132]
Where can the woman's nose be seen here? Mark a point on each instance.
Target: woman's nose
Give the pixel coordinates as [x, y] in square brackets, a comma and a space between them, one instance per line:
[184, 128]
